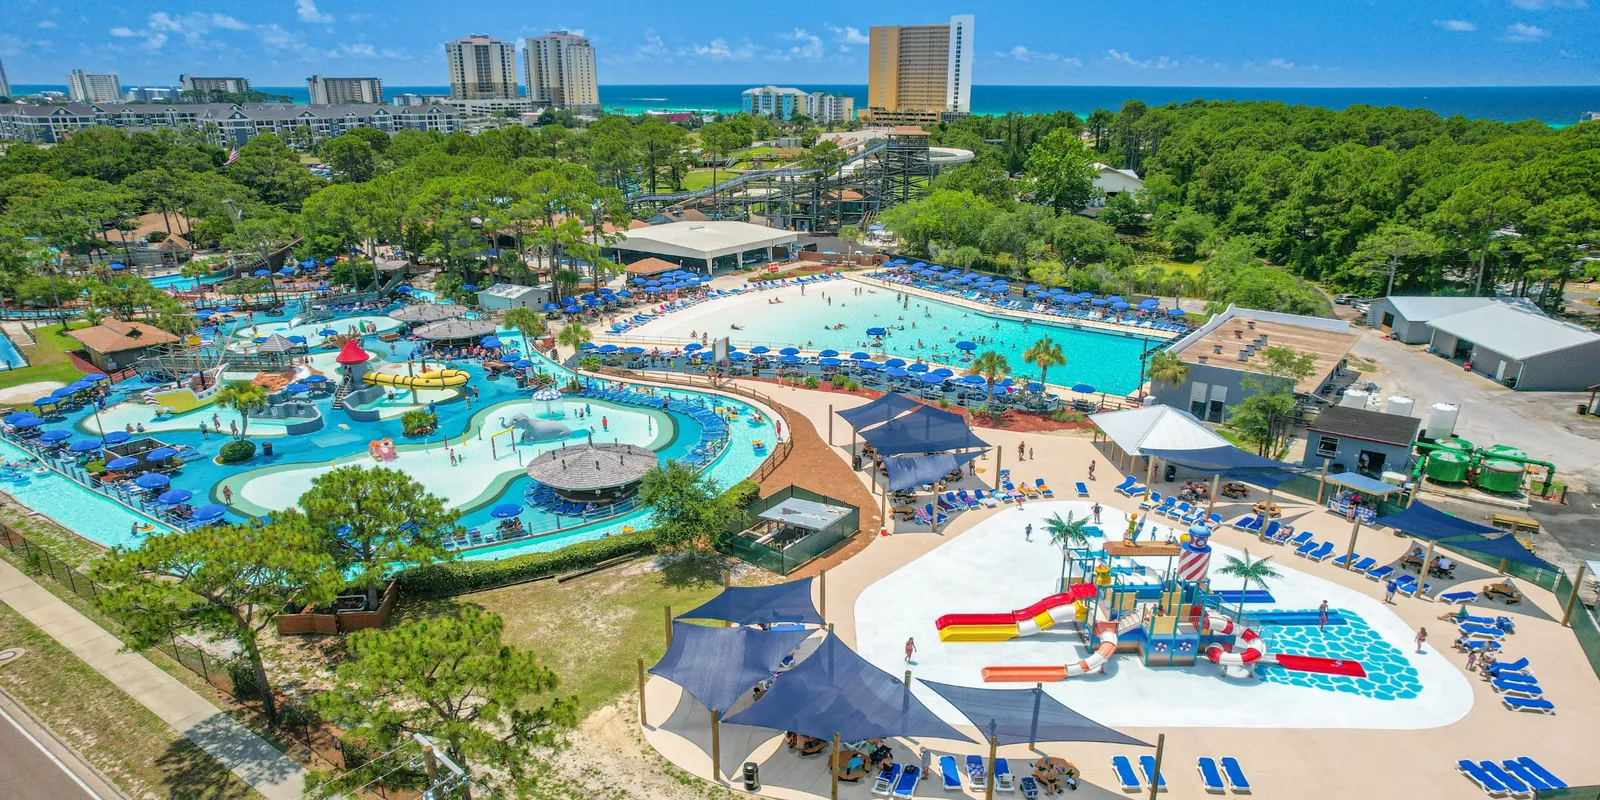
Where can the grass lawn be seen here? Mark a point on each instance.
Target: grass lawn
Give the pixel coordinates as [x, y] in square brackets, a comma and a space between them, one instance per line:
[111, 730]
[593, 630]
[701, 178]
[47, 359]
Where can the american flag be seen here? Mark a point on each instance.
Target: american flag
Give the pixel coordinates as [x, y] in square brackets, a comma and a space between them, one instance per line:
[232, 156]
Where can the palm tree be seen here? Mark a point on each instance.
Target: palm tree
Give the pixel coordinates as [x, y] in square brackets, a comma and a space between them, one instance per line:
[1067, 534]
[991, 366]
[1166, 367]
[527, 321]
[574, 335]
[851, 236]
[244, 397]
[1045, 353]
[1257, 572]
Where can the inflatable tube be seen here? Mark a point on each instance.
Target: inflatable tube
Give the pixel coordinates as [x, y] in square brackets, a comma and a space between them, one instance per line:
[432, 379]
[1254, 646]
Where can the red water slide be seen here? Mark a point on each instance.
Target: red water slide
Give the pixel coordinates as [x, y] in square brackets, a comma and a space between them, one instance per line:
[1074, 593]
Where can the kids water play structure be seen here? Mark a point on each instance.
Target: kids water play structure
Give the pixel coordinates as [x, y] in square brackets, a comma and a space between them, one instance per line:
[1166, 623]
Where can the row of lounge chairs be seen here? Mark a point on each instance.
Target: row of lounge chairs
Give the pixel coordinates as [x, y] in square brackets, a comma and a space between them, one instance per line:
[711, 423]
[1514, 777]
[976, 775]
[1130, 487]
[1177, 510]
[897, 780]
[1028, 305]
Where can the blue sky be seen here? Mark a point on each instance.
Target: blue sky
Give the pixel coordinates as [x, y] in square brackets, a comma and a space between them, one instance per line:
[1078, 42]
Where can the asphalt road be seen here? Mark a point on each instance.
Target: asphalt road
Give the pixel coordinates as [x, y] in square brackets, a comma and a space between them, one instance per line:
[34, 764]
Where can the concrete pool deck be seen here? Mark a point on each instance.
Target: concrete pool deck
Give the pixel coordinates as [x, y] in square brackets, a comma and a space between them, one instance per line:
[1301, 762]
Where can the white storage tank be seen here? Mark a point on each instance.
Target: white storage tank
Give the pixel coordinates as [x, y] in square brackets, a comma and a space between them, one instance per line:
[1400, 405]
[1354, 398]
[1442, 420]
[1373, 403]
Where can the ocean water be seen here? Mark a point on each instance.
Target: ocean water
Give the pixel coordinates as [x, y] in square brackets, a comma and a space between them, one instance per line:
[1555, 105]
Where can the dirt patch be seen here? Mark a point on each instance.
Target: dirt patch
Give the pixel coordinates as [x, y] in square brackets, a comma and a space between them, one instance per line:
[607, 757]
[28, 392]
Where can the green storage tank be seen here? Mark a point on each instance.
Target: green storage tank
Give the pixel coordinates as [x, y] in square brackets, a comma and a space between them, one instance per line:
[1503, 451]
[1447, 466]
[1458, 445]
[1500, 476]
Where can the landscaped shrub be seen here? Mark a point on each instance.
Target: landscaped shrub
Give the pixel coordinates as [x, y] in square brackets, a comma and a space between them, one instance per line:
[812, 382]
[237, 451]
[458, 577]
[747, 492]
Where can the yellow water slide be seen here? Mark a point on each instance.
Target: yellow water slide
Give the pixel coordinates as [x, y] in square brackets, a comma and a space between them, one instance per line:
[432, 379]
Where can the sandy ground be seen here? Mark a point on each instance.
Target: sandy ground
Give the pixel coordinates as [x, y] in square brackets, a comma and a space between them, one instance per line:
[28, 392]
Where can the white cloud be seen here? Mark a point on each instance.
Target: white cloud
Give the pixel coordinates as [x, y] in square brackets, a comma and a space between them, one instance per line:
[122, 31]
[307, 11]
[849, 34]
[1123, 57]
[46, 24]
[718, 49]
[161, 26]
[1459, 25]
[653, 49]
[358, 50]
[1522, 32]
[807, 47]
[1022, 53]
[1541, 5]
[1278, 63]
[396, 55]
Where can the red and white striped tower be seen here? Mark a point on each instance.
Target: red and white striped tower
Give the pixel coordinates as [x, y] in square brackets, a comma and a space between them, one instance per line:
[1195, 558]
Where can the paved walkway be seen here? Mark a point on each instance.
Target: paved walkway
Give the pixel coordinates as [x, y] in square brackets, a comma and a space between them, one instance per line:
[249, 756]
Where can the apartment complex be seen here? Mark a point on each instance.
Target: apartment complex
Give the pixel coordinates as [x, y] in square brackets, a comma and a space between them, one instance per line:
[84, 87]
[786, 102]
[919, 73]
[559, 71]
[482, 68]
[192, 83]
[5, 85]
[326, 91]
[225, 124]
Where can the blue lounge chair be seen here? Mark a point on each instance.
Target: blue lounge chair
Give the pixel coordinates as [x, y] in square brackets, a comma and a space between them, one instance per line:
[1545, 775]
[1487, 645]
[1147, 766]
[1126, 777]
[1515, 677]
[1458, 597]
[1301, 539]
[1137, 490]
[1527, 776]
[1517, 688]
[1248, 522]
[1038, 483]
[1308, 548]
[1506, 779]
[1210, 776]
[1380, 573]
[907, 785]
[1178, 511]
[1083, 489]
[985, 498]
[950, 772]
[1484, 780]
[1155, 499]
[977, 773]
[1127, 483]
[1347, 559]
[1322, 552]
[1507, 667]
[1365, 564]
[1528, 704]
[886, 780]
[1194, 516]
[1003, 779]
[1235, 775]
[1030, 788]
[1482, 631]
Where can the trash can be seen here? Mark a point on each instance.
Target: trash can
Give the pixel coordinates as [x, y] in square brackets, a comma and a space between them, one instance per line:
[855, 463]
[1170, 473]
[266, 448]
[752, 776]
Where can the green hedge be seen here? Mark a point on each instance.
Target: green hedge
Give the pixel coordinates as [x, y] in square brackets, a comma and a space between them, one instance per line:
[237, 451]
[459, 577]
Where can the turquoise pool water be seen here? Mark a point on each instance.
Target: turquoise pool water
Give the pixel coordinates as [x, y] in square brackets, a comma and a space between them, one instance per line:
[929, 329]
[10, 356]
[1389, 675]
[177, 281]
[89, 514]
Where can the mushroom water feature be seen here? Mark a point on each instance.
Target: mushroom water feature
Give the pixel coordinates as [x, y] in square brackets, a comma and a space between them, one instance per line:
[548, 403]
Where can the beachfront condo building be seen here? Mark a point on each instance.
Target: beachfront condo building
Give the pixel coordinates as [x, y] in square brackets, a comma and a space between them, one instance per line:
[482, 68]
[786, 102]
[84, 87]
[559, 71]
[5, 85]
[919, 73]
[209, 86]
[326, 91]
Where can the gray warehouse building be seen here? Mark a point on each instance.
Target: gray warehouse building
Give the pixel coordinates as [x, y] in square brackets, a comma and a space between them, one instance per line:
[1522, 349]
[1407, 318]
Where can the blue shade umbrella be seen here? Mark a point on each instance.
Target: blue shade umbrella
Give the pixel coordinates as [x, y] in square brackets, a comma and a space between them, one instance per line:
[310, 262]
[652, 283]
[877, 332]
[46, 401]
[759, 349]
[942, 371]
[18, 416]
[973, 380]
[491, 341]
[918, 368]
[896, 372]
[1099, 302]
[829, 362]
[210, 513]
[1083, 388]
[55, 436]
[204, 313]
[297, 339]
[173, 497]
[895, 362]
[608, 348]
[931, 378]
[261, 273]
[467, 287]
[116, 437]
[506, 511]
[573, 309]
[790, 359]
[151, 480]
[966, 346]
[96, 377]
[587, 346]
[738, 356]
[124, 462]
[625, 294]
[286, 271]
[692, 346]
[160, 454]
[522, 363]
[789, 351]
[315, 379]
[1086, 295]
[1035, 386]
[1120, 306]
[870, 366]
[259, 339]
[637, 281]
[586, 296]
[607, 290]
[859, 355]
[84, 446]
[297, 388]
[65, 391]
[32, 422]
[1032, 287]
[1176, 312]
[116, 267]
[224, 309]
[552, 306]
[829, 354]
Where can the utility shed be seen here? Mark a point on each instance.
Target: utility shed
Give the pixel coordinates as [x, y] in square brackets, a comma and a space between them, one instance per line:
[1519, 348]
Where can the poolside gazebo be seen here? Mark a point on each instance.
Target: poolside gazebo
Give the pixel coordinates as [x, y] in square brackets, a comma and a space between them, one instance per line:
[455, 330]
[594, 473]
[426, 312]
